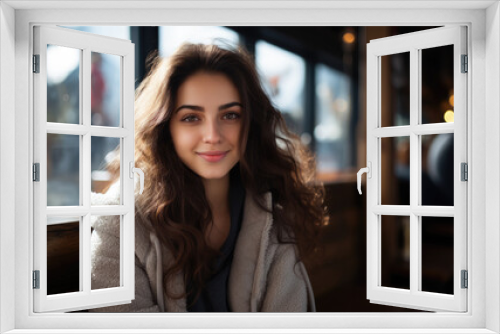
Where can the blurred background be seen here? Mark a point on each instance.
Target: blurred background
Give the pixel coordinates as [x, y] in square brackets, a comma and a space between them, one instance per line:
[316, 76]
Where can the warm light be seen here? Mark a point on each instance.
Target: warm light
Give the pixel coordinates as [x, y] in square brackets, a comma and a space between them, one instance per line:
[451, 100]
[349, 38]
[449, 116]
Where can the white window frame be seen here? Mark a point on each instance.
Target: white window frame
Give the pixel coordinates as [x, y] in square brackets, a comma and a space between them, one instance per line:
[483, 21]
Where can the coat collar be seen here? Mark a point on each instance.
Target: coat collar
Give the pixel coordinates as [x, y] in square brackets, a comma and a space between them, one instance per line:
[247, 276]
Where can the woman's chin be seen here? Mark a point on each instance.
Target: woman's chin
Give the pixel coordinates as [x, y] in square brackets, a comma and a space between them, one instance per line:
[213, 174]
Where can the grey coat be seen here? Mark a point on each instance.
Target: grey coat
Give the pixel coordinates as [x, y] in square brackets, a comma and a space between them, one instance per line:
[264, 276]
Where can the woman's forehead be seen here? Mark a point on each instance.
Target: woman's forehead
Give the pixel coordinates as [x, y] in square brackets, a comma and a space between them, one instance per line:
[207, 88]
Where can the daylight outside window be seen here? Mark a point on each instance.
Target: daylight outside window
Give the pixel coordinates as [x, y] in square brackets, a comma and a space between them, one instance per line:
[283, 75]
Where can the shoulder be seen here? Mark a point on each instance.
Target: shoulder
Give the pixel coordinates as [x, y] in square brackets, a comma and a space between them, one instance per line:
[266, 273]
[106, 224]
[259, 229]
[111, 197]
[108, 227]
[259, 247]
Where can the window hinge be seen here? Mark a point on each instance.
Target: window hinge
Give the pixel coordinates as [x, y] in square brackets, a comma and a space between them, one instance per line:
[36, 279]
[465, 279]
[36, 172]
[465, 64]
[464, 171]
[36, 63]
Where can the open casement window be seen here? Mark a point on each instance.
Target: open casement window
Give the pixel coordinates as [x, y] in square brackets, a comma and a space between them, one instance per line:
[80, 122]
[398, 148]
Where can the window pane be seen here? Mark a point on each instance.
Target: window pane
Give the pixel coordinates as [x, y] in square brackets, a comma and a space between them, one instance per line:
[333, 120]
[105, 89]
[63, 84]
[437, 85]
[395, 170]
[395, 92]
[283, 76]
[437, 169]
[105, 252]
[171, 37]
[437, 254]
[63, 255]
[396, 251]
[63, 169]
[104, 150]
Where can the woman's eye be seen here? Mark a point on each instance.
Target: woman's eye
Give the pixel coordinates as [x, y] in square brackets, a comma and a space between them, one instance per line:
[232, 115]
[189, 118]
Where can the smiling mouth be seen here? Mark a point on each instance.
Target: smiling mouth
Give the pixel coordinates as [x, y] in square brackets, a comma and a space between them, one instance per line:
[213, 156]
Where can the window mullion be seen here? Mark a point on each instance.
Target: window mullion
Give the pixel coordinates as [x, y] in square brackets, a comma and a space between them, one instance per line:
[85, 271]
[85, 268]
[415, 237]
[86, 121]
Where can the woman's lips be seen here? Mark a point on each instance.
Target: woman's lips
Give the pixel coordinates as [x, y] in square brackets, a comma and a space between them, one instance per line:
[212, 156]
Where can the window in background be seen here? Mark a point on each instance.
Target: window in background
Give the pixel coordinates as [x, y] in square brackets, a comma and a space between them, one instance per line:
[171, 37]
[333, 117]
[283, 76]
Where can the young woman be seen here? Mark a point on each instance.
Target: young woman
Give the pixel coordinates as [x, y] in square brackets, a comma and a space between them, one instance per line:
[229, 209]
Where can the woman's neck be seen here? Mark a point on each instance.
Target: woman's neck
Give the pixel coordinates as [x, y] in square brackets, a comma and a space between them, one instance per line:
[217, 193]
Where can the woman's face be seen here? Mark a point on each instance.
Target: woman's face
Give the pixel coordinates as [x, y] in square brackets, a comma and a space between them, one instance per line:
[206, 124]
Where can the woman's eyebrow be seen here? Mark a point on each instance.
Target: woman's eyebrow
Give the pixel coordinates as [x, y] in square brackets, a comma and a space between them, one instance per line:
[198, 108]
[229, 105]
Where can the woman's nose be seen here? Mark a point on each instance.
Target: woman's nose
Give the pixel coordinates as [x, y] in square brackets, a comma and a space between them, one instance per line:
[212, 133]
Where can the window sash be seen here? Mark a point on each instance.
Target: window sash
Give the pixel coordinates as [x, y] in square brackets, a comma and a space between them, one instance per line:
[414, 298]
[86, 43]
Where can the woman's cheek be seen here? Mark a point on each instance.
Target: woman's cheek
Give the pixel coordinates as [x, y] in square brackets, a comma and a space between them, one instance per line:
[235, 133]
[189, 134]
[180, 138]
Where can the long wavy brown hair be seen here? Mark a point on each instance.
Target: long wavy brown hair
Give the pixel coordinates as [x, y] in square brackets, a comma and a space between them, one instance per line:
[272, 159]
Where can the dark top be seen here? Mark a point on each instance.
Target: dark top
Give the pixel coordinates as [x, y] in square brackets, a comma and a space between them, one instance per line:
[213, 298]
